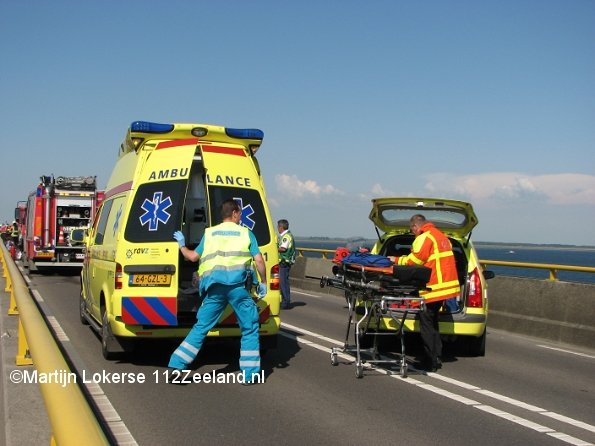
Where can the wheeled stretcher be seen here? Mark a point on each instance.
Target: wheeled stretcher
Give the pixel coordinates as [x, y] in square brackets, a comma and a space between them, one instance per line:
[372, 293]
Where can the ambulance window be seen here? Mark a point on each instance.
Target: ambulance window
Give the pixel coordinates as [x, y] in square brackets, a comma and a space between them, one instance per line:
[253, 213]
[102, 222]
[156, 212]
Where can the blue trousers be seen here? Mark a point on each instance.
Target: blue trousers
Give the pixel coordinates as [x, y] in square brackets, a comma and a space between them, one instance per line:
[218, 296]
[284, 284]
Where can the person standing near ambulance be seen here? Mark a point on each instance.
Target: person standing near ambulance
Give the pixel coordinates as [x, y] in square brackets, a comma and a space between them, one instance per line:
[226, 252]
[432, 249]
[287, 259]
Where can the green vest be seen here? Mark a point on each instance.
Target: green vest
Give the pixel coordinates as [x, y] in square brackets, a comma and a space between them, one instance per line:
[289, 255]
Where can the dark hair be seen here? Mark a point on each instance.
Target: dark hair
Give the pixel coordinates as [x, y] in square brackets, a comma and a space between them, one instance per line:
[228, 207]
[283, 223]
[418, 219]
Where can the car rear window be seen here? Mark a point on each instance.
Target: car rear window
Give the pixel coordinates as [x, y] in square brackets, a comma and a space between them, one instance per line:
[156, 211]
[442, 218]
[253, 214]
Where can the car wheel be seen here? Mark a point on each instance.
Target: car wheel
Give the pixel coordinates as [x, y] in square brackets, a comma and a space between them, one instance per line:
[366, 340]
[477, 346]
[106, 335]
[83, 311]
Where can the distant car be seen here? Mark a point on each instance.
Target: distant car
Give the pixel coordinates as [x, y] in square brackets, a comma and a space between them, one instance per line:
[456, 219]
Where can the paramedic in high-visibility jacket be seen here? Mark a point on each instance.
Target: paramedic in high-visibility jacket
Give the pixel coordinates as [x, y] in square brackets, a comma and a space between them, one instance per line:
[431, 248]
[226, 252]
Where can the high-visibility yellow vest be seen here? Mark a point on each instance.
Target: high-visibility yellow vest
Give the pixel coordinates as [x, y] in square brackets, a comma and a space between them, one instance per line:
[226, 257]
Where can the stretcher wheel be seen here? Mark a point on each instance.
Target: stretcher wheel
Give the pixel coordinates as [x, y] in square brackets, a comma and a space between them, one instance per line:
[404, 370]
[334, 360]
[359, 371]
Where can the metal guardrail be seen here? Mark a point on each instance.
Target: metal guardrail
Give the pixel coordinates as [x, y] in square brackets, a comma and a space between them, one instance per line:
[553, 268]
[71, 418]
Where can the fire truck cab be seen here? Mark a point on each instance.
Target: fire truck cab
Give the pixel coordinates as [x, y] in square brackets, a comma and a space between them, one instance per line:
[56, 207]
[168, 177]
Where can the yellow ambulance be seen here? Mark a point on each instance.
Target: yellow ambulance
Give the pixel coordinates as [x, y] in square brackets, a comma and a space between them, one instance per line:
[168, 177]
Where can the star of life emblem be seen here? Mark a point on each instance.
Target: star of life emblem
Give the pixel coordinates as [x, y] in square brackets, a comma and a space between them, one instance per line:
[247, 211]
[155, 211]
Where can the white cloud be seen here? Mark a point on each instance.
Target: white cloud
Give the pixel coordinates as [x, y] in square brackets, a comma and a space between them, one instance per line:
[292, 186]
[556, 189]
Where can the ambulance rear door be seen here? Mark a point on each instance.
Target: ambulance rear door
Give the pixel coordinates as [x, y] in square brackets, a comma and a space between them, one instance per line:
[231, 173]
[151, 254]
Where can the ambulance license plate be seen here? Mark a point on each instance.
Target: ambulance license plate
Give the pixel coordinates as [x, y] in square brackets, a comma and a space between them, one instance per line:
[149, 280]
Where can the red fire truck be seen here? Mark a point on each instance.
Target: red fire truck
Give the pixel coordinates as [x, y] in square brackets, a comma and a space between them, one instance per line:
[56, 207]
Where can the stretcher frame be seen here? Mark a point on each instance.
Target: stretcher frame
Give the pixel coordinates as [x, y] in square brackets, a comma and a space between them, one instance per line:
[381, 294]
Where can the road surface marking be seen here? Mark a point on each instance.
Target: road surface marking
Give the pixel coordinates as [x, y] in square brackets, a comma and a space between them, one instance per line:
[459, 398]
[567, 351]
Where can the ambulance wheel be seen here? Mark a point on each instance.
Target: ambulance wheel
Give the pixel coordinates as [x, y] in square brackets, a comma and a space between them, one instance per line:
[359, 371]
[106, 335]
[477, 346]
[83, 311]
[334, 360]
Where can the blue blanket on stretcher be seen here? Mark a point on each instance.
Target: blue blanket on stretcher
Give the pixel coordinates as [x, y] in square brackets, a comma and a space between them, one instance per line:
[367, 259]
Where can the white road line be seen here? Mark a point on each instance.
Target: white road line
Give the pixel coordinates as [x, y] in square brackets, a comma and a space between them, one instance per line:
[37, 296]
[459, 398]
[567, 351]
[112, 418]
[316, 296]
[60, 334]
[311, 333]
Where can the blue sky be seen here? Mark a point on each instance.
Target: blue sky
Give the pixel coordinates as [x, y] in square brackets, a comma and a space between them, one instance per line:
[491, 102]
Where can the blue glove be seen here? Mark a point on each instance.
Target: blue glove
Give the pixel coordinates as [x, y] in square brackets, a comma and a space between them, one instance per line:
[261, 290]
[180, 238]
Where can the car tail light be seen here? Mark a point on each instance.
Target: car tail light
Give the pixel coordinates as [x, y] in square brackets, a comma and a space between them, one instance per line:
[475, 295]
[274, 283]
[118, 277]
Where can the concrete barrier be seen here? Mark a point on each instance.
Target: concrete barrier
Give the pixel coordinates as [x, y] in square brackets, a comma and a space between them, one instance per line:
[557, 311]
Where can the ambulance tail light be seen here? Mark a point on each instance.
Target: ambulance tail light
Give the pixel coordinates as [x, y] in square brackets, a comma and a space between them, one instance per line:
[118, 277]
[274, 283]
[474, 296]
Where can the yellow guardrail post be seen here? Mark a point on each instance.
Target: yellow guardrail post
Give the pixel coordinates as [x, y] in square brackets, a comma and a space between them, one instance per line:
[71, 418]
[12, 307]
[23, 353]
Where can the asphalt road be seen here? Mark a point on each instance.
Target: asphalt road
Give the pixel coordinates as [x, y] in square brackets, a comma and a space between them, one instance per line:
[523, 392]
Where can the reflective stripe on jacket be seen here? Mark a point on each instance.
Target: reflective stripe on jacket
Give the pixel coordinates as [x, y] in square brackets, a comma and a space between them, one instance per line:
[433, 249]
[226, 257]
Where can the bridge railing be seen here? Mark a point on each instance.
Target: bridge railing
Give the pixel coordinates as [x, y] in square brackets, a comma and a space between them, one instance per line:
[72, 420]
[552, 268]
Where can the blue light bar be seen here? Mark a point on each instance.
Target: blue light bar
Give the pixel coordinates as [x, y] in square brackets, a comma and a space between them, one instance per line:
[245, 133]
[150, 127]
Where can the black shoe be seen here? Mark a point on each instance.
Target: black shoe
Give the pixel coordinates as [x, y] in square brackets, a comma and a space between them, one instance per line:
[434, 365]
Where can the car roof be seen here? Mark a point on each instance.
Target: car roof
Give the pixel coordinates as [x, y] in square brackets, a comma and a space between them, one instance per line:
[453, 217]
